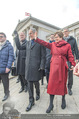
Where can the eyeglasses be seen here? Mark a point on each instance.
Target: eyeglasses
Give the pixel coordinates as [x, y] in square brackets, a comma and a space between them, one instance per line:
[1, 36]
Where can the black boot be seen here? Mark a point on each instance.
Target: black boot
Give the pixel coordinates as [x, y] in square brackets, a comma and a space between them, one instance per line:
[37, 97]
[21, 90]
[26, 88]
[30, 106]
[18, 80]
[51, 104]
[70, 91]
[5, 97]
[63, 106]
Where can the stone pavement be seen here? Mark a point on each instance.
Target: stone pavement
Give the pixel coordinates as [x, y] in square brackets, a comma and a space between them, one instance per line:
[21, 100]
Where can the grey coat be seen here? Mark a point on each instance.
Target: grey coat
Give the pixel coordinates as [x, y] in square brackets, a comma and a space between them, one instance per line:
[35, 60]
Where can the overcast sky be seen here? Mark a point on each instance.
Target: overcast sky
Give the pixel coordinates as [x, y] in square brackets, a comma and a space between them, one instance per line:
[56, 12]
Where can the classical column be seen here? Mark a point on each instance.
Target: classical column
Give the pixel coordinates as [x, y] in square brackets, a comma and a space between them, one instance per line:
[27, 34]
[74, 33]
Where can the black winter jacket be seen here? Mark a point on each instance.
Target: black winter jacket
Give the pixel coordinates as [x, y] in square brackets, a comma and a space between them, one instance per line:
[72, 41]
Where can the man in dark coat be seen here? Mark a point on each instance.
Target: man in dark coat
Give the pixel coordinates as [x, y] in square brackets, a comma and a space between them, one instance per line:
[35, 62]
[72, 41]
[21, 56]
[6, 60]
[48, 58]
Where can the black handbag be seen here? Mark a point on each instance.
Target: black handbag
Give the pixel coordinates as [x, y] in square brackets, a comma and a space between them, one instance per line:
[13, 71]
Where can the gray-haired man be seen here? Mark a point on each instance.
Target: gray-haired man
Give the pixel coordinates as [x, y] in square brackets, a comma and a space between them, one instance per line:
[35, 62]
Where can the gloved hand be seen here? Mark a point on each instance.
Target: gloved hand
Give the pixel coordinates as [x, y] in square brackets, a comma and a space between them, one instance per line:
[42, 73]
[15, 33]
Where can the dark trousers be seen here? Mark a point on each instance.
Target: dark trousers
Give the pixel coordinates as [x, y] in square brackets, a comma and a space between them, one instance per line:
[47, 77]
[47, 71]
[70, 79]
[5, 81]
[18, 78]
[23, 81]
[31, 89]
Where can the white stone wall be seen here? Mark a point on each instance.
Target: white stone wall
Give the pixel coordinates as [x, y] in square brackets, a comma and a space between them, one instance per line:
[44, 29]
[42, 33]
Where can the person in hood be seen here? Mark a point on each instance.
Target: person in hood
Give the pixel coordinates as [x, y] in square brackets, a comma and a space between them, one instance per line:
[6, 60]
[61, 52]
[72, 41]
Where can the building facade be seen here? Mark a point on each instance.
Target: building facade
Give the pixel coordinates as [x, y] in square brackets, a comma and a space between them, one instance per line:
[44, 29]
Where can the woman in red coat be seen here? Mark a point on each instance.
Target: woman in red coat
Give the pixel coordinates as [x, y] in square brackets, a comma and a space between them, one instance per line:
[61, 52]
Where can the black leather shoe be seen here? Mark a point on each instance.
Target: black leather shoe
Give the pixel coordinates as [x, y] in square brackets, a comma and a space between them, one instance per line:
[49, 109]
[26, 88]
[21, 90]
[29, 106]
[70, 91]
[17, 81]
[63, 106]
[5, 97]
[37, 97]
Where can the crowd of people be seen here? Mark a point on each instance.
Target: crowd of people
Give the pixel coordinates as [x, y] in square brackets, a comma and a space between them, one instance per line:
[35, 58]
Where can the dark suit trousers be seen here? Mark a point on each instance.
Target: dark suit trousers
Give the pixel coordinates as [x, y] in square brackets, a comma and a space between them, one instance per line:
[70, 79]
[47, 71]
[5, 81]
[23, 81]
[31, 89]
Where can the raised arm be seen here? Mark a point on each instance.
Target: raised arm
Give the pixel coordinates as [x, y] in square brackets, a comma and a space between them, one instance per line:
[17, 42]
[44, 43]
